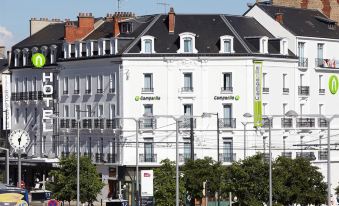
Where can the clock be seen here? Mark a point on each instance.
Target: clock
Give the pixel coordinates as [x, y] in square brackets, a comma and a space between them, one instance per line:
[19, 139]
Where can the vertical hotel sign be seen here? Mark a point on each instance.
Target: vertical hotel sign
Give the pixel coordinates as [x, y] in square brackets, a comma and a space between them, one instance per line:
[6, 101]
[257, 81]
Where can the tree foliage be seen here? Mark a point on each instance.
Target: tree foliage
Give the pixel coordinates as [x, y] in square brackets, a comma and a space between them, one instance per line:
[164, 184]
[64, 186]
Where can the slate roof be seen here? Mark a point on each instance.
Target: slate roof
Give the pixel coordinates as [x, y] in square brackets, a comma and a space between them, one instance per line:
[3, 64]
[303, 22]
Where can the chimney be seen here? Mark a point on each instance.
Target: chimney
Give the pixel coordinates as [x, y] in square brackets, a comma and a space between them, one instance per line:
[85, 26]
[9, 57]
[171, 21]
[279, 17]
[38, 24]
[2, 52]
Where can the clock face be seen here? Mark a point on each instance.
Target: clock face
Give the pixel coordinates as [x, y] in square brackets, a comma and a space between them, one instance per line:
[19, 139]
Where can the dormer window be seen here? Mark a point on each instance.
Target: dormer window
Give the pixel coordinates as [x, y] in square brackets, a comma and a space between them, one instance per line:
[83, 49]
[226, 44]
[16, 57]
[187, 43]
[44, 50]
[34, 50]
[264, 45]
[95, 48]
[77, 49]
[89, 49]
[72, 53]
[284, 47]
[126, 27]
[107, 46]
[101, 47]
[113, 47]
[66, 50]
[147, 44]
[53, 49]
[25, 60]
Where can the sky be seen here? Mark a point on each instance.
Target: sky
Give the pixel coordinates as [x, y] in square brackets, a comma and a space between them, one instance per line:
[15, 14]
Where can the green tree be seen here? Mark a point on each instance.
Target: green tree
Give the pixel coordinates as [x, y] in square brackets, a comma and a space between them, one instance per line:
[64, 186]
[164, 184]
[198, 171]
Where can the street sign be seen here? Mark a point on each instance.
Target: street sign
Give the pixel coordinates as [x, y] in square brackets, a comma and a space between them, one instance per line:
[53, 203]
[22, 203]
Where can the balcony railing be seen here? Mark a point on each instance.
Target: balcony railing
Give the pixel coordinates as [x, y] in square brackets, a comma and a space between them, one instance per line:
[322, 122]
[147, 89]
[99, 158]
[111, 158]
[286, 122]
[87, 91]
[227, 122]
[321, 91]
[74, 124]
[15, 96]
[65, 92]
[327, 63]
[303, 62]
[148, 124]
[226, 89]
[65, 154]
[186, 123]
[306, 155]
[322, 155]
[65, 123]
[76, 91]
[305, 122]
[287, 154]
[266, 122]
[112, 123]
[286, 90]
[148, 157]
[187, 89]
[185, 157]
[227, 157]
[99, 124]
[265, 90]
[87, 123]
[304, 90]
[100, 91]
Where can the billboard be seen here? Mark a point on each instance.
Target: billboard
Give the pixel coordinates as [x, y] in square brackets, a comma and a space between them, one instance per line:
[147, 183]
[257, 85]
[6, 101]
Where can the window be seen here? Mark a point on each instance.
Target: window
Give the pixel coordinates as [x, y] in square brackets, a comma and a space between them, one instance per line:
[77, 111]
[148, 150]
[285, 88]
[34, 84]
[187, 151]
[321, 89]
[100, 84]
[88, 110]
[16, 57]
[88, 84]
[147, 44]
[187, 43]
[301, 79]
[65, 85]
[26, 115]
[188, 109]
[226, 44]
[107, 45]
[17, 115]
[227, 150]
[112, 83]
[25, 85]
[53, 53]
[89, 146]
[100, 110]
[66, 50]
[284, 47]
[126, 27]
[301, 54]
[112, 146]
[228, 114]
[148, 83]
[227, 82]
[148, 111]
[16, 89]
[77, 85]
[284, 108]
[67, 145]
[112, 111]
[264, 45]
[320, 52]
[43, 144]
[188, 84]
[25, 57]
[66, 111]
[54, 145]
[89, 48]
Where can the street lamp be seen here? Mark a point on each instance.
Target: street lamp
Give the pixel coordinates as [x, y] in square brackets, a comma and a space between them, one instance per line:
[7, 164]
[53, 116]
[246, 115]
[292, 113]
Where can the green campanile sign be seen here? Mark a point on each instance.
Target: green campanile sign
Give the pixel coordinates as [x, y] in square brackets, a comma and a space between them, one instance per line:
[257, 81]
[38, 60]
[333, 84]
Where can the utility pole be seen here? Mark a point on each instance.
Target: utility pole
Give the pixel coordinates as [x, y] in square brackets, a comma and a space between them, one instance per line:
[192, 138]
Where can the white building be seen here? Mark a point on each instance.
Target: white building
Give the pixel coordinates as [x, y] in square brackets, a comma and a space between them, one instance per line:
[127, 66]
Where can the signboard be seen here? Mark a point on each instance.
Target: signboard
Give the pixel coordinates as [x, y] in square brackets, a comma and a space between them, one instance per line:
[333, 84]
[257, 85]
[6, 101]
[147, 183]
[231, 97]
[147, 201]
[143, 98]
[47, 111]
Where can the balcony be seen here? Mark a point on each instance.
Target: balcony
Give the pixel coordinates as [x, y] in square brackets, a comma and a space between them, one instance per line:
[227, 157]
[322, 122]
[186, 156]
[266, 90]
[266, 122]
[112, 123]
[100, 91]
[148, 158]
[87, 124]
[287, 154]
[148, 124]
[304, 90]
[65, 92]
[74, 124]
[76, 91]
[112, 90]
[147, 90]
[305, 122]
[99, 158]
[303, 62]
[326, 63]
[227, 122]
[65, 123]
[33, 95]
[322, 155]
[99, 124]
[15, 96]
[187, 89]
[286, 122]
[322, 91]
[226, 89]
[40, 95]
[286, 90]
[87, 91]
[88, 155]
[111, 158]
[307, 155]
[186, 123]
[65, 154]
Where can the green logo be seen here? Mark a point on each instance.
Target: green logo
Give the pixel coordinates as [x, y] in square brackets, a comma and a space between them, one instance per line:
[38, 60]
[333, 84]
[137, 98]
[237, 98]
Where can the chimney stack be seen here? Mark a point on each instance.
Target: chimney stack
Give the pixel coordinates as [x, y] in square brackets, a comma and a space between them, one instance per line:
[279, 17]
[9, 57]
[2, 52]
[171, 21]
[85, 26]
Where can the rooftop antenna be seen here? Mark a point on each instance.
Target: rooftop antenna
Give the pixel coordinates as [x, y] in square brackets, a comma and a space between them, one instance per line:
[119, 4]
[164, 4]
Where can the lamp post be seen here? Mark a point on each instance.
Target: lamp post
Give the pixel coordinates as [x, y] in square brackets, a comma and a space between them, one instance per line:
[246, 115]
[293, 113]
[7, 164]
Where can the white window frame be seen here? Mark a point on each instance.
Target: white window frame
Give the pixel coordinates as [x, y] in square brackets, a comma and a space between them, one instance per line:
[66, 85]
[100, 114]
[25, 53]
[66, 111]
[143, 40]
[89, 48]
[112, 83]
[77, 49]
[113, 48]
[77, 112]
[182, 37]
[77, 83]
[16, 57]
[67, 50]
[53, 54]
[25, 85]
[112, 111]
[44, 50]
[88, 110]
[263, 45]
[89, 83]
[100, 82]
[34, 84]
[222, 45]
[284, 46]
